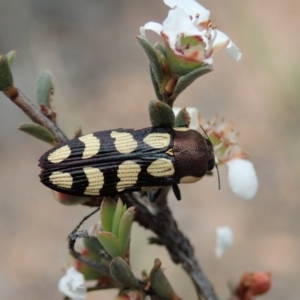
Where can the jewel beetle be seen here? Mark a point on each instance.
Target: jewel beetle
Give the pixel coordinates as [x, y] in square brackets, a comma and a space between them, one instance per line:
[111, 162]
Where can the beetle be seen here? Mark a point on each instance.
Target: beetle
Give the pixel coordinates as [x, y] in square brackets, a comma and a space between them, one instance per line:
[112, 162]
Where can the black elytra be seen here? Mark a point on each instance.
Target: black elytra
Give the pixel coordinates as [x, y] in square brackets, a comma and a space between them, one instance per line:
[112, 162]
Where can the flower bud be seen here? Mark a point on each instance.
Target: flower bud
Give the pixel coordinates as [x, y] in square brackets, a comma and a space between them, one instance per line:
[224, 240]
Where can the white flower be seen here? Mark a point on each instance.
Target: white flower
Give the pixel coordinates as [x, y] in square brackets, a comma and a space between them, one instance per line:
[190, 34]
[198, 13]
[193, 113]
[72, 285]
[242, 178]
[224, 240]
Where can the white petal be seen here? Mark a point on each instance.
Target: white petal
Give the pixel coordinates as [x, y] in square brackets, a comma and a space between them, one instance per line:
[193, 113]
[72, 285]
[156, 27]
[208, 60]
[178, 23]
[191, 7]
[233, 51]
[224, 240]
[220, 38]
[242, 178]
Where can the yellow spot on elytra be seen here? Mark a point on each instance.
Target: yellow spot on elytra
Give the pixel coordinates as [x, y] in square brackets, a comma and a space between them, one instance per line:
[92, 145]
[128, 172]
[59, 154]
[124, 143]
[61, 179]
[161, 167]
[158, 140]
[96, 181]
[181, 129]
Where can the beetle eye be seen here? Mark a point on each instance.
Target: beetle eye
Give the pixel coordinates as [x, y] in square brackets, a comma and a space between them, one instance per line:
[211, 164]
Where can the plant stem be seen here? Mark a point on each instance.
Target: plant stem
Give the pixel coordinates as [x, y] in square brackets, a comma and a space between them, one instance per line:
[162, 223]
[36, 115]
[178, 245]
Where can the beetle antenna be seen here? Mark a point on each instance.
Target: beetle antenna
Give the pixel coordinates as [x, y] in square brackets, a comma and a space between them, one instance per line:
[204, 132]
[219, 180]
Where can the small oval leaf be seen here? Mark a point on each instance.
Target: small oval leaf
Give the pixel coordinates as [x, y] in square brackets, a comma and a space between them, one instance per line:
[78, 132]
[117, 218]
[92, 244]
[11, 56]
[153, 59]
[121, 272]
[109, 242]
[39, 132]
[184, 81]
[155, 85]
[107, 211]
[124, 230]
[183, 118]
[88, 272]
[160, 283]
[161, 114]
[6, 78]
[44, 89]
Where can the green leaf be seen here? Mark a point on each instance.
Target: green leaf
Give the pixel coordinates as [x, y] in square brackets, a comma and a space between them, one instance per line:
[155, 85]
[88, 272]
[183, 118]
[125, 229]
[6, 78]
[44, 89]
[78, 132]
[121, 272]
[11, 56]
[153, 59]
[161, 114]
[124, 209]
[92, 250]
[184, 81]
[107, 211]
[159, 282]
[161, 49]
[92, 244]
[117, 218]
[39, 132]
[110, 243]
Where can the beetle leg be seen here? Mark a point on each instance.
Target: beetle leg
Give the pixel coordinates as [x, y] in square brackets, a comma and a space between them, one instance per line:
[176, 191]
[154, 196]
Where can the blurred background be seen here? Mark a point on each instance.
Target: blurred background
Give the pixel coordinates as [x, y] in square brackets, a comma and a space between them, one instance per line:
[102, 82]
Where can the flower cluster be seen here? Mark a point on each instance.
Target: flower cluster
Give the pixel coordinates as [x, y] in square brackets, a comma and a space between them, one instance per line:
[190, 37]
[241, 173]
